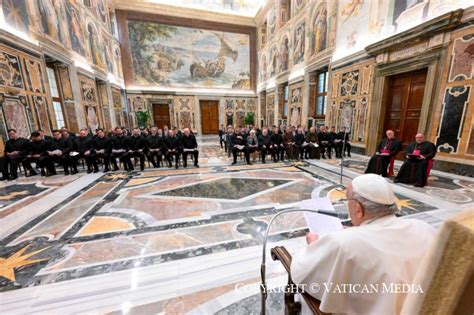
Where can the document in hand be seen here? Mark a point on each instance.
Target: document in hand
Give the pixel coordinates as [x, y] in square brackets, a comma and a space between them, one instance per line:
[322, 224]
[319, 223]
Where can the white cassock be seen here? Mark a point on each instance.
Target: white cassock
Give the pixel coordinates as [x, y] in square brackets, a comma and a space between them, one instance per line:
[384, 251]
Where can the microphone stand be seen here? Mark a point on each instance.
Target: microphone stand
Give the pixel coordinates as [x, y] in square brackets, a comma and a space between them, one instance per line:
[342, 155]
[263, 285]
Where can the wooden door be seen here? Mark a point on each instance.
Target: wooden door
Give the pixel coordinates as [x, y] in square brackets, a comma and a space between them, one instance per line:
[209, 116]
[161, 115]
[404, 102]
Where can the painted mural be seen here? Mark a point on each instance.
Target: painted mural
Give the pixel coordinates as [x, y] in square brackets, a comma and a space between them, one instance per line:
[284, 54]
[363, 22]
[176, 56]
[299, 43]
[70, 25]
[320, 28]
[16, 14]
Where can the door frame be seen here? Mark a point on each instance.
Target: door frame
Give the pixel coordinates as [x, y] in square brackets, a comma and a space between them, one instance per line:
[381, 89]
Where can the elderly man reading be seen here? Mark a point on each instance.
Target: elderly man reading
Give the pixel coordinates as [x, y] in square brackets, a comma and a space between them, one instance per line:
[362, 269]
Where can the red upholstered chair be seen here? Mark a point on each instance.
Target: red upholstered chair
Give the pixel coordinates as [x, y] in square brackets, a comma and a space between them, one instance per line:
[428, 170]
[391, 165]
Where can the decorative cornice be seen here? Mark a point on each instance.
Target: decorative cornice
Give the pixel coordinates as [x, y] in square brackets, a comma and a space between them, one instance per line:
[440, 24]
[156, 8]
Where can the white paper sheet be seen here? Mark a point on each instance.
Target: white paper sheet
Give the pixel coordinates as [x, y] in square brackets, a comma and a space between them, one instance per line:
[317, 204]
[322, 224]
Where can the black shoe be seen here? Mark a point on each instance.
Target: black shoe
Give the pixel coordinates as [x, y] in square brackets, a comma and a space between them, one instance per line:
[67, 173]
[106, 170]
[177, 166]
[13, 177]
[323, 157]
[43, 173]
[89, 170]
[74, 172]
[3, 178]
[185, 165]
[233, 163]
[249, 163]
[264, 162]
[30, 173]
[349, 155]
[116, 169]
[196, 165]
[96, 170]
[170, 165]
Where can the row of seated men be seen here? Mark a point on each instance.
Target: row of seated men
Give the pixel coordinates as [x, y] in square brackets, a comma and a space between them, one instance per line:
[67, 149]
[296, 143]
[417, 159]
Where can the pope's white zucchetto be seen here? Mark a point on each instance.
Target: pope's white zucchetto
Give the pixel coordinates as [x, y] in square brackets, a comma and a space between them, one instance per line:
[374, 188]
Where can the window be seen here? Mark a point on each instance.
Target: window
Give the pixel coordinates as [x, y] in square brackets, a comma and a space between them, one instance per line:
[57, 102]
[321, 92]
[87, 3]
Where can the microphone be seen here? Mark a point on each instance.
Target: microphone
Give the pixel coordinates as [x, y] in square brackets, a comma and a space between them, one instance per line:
[342, 155]
[263, 284]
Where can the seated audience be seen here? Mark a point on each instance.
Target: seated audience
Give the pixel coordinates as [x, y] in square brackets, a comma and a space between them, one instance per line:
[58, 152]
[155, 147]
[172, 148]
[136, 147]
[417, 158]
[312, 150]
[364, 255]
[239, 144]
[299, 143]
[82, 149]
[324, 142]
[277, 145]
[252, 142]
[288, 144]
[16, 149]
[119, 149]
[265, 144]
[102, 148]
[344, 145]
[386, 150]
[36, 153]
[189, 146]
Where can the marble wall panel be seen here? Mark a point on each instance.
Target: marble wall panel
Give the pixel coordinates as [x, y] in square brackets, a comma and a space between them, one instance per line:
[10, 71]
[454, 108]
[41, 107]
[16, 116]
[462, 56]
[34, 76]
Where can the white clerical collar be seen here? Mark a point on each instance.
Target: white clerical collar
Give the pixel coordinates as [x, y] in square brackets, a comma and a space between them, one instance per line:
[379, 220]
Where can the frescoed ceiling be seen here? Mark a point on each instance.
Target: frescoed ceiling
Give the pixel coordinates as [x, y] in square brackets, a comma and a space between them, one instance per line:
[238, 7]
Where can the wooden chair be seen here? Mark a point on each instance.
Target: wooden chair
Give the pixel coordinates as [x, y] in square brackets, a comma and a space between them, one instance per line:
[280, 253]
[446, 273]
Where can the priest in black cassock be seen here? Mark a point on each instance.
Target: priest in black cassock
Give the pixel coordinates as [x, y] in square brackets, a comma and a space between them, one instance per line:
[417, 157]
[387, 148]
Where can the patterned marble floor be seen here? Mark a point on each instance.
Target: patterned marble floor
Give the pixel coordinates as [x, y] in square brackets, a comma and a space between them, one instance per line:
[172, 241]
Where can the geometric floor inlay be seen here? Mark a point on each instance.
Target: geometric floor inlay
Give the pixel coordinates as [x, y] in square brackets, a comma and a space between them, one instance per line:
[225, 188]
